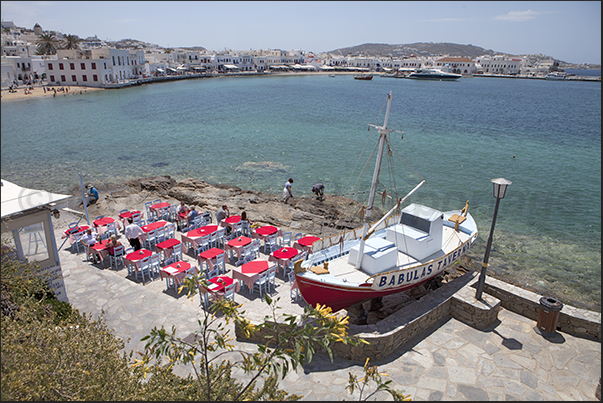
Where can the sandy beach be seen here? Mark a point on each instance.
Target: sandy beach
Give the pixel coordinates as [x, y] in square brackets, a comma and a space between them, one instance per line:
[38, 92]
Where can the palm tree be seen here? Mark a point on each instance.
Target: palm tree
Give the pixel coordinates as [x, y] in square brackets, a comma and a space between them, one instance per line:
[47, 44]
[71, 42]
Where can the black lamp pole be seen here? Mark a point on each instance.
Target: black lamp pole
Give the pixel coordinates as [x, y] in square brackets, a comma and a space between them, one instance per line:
[500, 187]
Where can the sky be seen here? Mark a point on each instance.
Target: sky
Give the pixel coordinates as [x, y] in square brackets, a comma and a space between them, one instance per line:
[568, 31]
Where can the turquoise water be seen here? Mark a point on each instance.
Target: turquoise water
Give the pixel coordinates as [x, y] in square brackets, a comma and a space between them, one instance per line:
[544, 136]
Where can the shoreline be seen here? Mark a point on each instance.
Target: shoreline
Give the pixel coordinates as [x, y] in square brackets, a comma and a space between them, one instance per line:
[38, 92]
[266, 208]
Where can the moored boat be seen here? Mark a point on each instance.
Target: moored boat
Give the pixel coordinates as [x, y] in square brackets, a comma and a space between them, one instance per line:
[363, 76]
[556, 75]
[433, 74]
[398, 252]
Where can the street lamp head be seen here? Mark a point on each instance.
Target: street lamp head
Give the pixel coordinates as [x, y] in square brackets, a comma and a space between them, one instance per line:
[500, 187]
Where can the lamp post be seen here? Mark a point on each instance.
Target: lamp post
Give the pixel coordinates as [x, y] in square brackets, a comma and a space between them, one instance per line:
[500, 187]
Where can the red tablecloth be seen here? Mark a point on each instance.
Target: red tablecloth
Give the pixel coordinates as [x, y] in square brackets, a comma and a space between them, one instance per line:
[128, 214]
[103, 221]
[199, 232]
[136, 256]
[160, 206]
[308, 240]
[167, 247]
[74, 230]
[210, 253]
[217, 285]
[153, 225]
[266, 230]
[175, 270]
[99, 249]
[255, 266]
[249, 272]
[238, 242]
[209, 256]
[232, 219]
[285, 253]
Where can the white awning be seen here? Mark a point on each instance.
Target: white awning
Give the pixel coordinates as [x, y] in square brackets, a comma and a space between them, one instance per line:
[230, 66]
[16, 199]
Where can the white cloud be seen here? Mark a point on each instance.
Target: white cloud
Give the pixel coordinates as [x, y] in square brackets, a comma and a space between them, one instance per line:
[520, 16]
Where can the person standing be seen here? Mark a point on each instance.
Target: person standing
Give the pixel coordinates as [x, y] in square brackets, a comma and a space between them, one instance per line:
[132, 232]
[287, 194]
[319, 190]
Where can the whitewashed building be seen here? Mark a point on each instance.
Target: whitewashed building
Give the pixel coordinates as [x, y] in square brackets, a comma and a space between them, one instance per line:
[498, 64]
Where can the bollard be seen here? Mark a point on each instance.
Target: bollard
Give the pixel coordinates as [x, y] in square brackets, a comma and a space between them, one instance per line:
[548, 314]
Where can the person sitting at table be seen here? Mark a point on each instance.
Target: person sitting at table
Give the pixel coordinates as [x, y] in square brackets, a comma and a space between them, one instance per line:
[89, 239]
[112, 243]
[191, 215]
[222, 214]
[91, 195]
[132, 232]
[245, 218]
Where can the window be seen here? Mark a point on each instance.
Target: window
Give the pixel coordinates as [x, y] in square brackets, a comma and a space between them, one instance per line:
[71, 66]
[49, 66]
[52, 79]
[61, 66]
[83, 66]
[73, 78]
[85, 78]
[93, 66]
[63, 79]
[32, 239]
[94, 77]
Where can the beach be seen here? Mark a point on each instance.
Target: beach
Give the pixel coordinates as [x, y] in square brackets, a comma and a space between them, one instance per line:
[38, 92]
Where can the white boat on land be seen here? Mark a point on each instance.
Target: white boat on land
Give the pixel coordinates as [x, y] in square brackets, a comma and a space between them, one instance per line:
[395, 254]
[433, 74]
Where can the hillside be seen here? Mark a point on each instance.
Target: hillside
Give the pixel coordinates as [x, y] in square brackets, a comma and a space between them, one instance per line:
[417, 49]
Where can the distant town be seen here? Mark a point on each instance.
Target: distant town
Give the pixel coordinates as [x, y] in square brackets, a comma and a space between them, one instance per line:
[39, 57]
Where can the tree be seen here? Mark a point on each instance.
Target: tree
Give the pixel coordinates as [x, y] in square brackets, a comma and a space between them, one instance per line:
[47, 44]
[71, 42]
[290, 342]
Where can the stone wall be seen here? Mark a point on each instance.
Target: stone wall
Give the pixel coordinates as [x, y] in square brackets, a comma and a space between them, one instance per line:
[575, 321]
[456, 299]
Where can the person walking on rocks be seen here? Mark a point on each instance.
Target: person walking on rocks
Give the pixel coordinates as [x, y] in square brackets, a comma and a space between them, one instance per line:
[287, 191]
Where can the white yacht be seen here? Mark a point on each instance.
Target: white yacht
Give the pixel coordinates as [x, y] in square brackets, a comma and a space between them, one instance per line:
[433, 74]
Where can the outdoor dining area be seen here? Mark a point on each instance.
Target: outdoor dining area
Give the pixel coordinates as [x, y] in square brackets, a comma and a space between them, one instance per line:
[238, 260]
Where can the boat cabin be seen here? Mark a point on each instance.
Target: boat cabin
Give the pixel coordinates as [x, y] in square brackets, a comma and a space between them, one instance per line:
[419, 233]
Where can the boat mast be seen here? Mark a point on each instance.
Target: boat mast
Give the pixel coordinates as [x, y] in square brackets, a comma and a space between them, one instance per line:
[383, 132]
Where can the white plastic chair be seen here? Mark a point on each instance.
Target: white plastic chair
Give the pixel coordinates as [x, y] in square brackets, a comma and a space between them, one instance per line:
[228, 292]
[285, 240]
[151, 240]
[118, 256]
[293, 292]
[155, 264]
[202, 244]
[261, 284]
[78, 241]
[270, 244]
[176, 254]
[255, 248]
[219, 237]
[145, 267]
[136, 217]
[220, 263]
[170, 231]
[271, 281]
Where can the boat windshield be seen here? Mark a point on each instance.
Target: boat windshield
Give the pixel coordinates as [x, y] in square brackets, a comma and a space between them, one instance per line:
[415, 222]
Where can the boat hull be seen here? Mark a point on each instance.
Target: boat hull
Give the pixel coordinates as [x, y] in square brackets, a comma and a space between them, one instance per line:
[338, 297]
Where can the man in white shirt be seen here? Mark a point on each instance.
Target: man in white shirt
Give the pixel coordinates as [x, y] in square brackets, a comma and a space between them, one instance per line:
[132, 232]
[89, 238]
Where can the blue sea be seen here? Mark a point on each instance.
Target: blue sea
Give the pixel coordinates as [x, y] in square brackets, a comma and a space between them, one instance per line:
[544, 136]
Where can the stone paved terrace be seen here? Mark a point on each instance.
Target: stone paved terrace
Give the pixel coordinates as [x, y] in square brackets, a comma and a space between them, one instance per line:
[449, 360]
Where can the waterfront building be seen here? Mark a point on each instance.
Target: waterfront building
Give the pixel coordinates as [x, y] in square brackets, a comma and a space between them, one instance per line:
[457, 65]
[498, 64]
